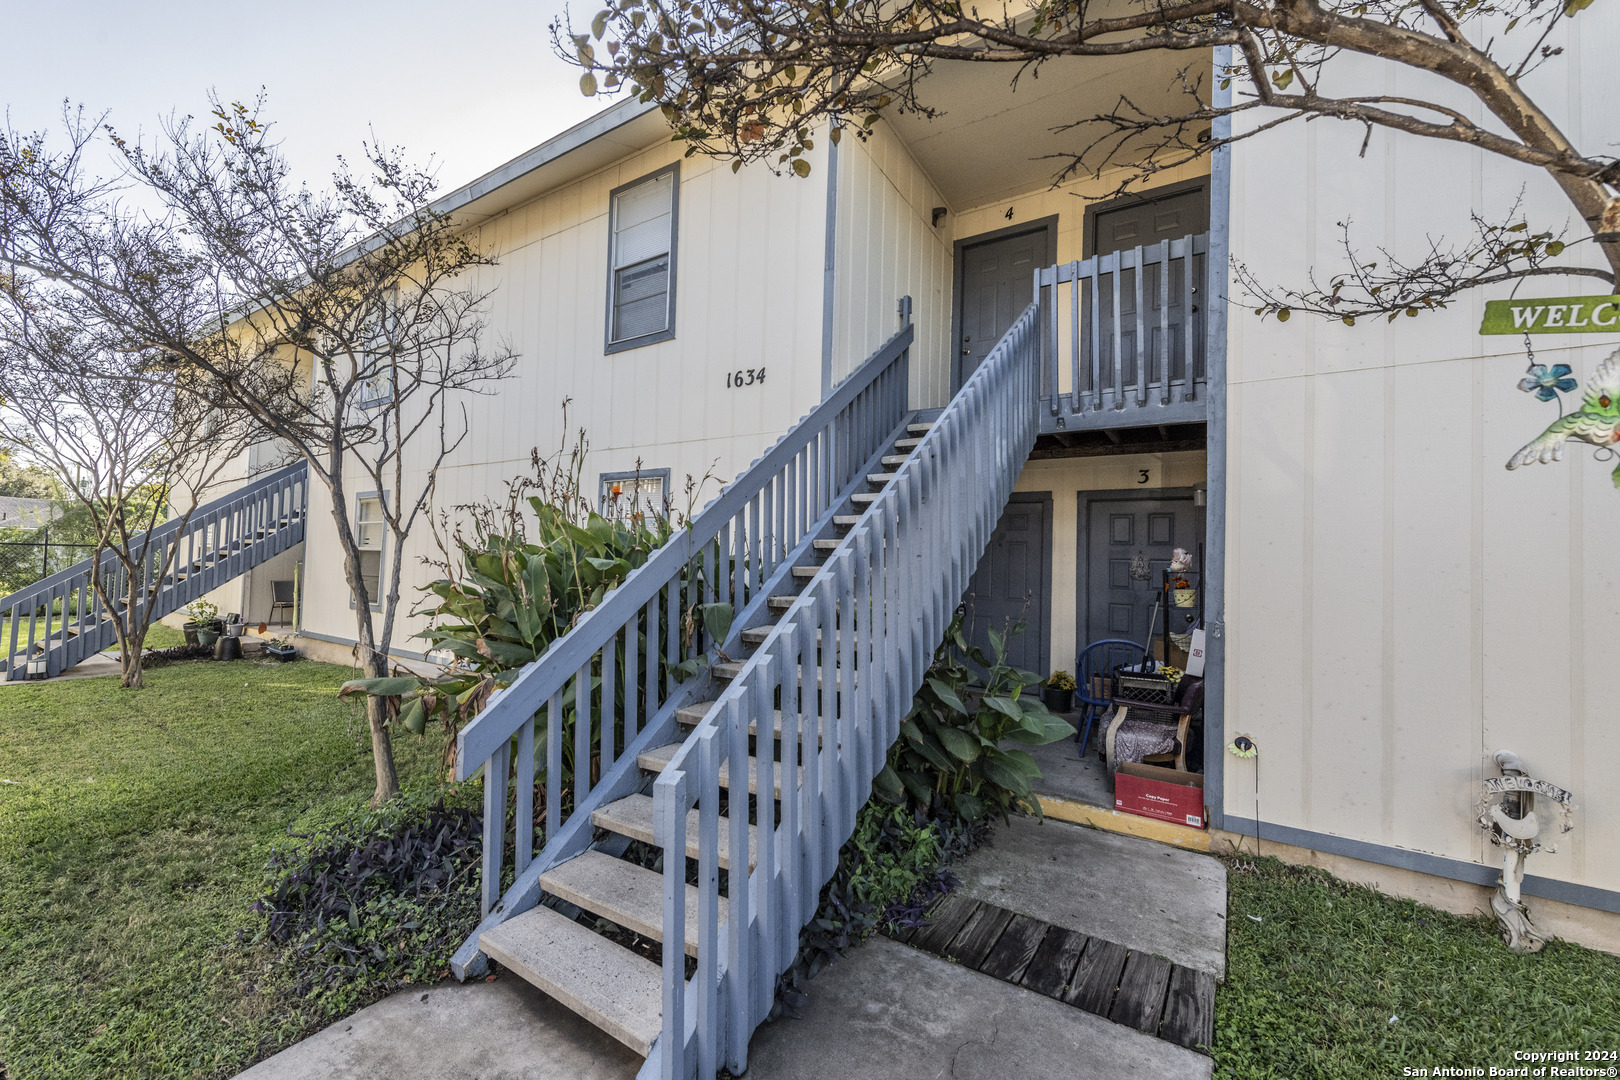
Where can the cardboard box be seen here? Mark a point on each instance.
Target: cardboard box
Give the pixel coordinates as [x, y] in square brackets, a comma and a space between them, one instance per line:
[1164, 794]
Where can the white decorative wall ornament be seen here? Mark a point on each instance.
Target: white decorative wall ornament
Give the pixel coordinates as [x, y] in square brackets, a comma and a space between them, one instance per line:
[1507, 811]
[1139, 567]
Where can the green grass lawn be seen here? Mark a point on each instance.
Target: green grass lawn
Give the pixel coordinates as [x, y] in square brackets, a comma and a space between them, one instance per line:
[133, 827]
[1329, 980]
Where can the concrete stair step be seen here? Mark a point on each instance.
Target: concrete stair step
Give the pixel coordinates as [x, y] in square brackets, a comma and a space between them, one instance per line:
[730, 669]
[894, 461]
[656, 760]
[846, 521]
[756, 637]
[781, 603]
[632, 816]
[693, 714]
[864, 498]
[879, 478]
[629, 895]
[906, 444]
[805, 573]
[612, 987]
[829, 544]
[919, 429]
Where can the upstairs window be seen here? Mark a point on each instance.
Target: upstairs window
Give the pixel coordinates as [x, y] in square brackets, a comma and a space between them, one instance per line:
[377, 377]
[641, 261]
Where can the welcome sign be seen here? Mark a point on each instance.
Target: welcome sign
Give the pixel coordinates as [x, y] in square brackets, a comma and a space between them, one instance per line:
[1553, 315]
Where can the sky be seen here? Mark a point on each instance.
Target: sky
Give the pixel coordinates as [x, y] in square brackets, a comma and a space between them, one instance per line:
[471, 84]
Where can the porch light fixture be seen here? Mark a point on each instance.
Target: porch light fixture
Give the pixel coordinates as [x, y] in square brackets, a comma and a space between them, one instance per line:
[938, 215]
[1200, 494]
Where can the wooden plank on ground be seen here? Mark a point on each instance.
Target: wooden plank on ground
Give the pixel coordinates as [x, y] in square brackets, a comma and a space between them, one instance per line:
[945, 919]
[1189, 1014]
[1092, 986]
[1142, 991]
[978, 936]
[1015, 949]
[1055, 961]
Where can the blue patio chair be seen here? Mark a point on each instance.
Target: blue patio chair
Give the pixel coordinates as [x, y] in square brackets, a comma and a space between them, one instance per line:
[1098, 661]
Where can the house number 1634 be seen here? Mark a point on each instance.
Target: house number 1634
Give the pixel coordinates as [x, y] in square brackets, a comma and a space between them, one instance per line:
[744, 377]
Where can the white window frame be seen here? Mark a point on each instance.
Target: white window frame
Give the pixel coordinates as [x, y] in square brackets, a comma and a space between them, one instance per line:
[611, 345]
[360, 525]
[608, 480]
[379, 389]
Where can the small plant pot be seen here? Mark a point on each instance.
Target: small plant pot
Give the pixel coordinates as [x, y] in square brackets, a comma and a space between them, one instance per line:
[1184, 598]
[281, 654]
[190, 630]
[207, 635]
[1057, 700]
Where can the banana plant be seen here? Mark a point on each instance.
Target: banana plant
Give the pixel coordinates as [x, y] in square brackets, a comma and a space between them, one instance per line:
[510, 594]
[950, 753]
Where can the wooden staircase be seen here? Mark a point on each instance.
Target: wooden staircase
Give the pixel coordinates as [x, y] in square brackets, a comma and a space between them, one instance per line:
[614, 987]
[60, 619]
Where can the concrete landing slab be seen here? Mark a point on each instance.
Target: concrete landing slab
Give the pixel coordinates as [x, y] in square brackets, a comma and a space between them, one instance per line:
[891, 1012]
[1068, 776]
[1144, 895]
[504, 1030]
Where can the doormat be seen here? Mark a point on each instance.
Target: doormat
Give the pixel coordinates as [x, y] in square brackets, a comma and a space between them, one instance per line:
[1136, 989]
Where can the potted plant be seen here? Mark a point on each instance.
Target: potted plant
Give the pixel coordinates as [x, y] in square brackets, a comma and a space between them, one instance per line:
[204, 622]
[280, 649]
[1058, 693]
[1183, 594]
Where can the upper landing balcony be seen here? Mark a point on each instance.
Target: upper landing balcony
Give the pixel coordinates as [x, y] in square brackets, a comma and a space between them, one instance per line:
[1123, 338]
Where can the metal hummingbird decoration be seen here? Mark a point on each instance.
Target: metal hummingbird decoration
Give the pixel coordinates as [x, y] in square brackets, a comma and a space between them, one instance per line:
[1597, 421]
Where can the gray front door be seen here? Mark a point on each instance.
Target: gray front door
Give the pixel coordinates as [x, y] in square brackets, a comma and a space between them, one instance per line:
[997, 283]
[1129, 543]
[1012, 581]
[1171, 217]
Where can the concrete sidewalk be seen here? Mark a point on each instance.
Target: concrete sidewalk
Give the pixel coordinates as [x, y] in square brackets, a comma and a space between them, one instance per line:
[884, 1012]
[1145, 895]
[504, 1030]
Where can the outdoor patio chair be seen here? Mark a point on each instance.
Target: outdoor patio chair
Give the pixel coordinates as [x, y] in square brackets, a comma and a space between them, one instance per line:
[1094, 672]
[281, 595]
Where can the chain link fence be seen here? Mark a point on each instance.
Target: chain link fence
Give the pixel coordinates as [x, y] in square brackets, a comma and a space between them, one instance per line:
[22, 564]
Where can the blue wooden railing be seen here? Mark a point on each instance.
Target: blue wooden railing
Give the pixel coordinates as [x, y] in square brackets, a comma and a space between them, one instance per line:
[738, 550]
[843, 664]
[61, 620]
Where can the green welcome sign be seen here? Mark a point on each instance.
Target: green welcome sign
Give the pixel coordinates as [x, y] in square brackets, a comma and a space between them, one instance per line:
[1553, 315]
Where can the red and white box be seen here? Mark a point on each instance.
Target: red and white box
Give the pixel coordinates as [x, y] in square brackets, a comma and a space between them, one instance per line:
[1159, 793]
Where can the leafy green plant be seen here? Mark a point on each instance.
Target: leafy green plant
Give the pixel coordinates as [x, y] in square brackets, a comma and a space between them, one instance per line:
[949, 752]
[202, 612]
[514, 583]
[374, 901]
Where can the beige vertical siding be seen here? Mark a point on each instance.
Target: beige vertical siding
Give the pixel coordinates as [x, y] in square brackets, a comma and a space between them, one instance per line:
[888, 248]
[1399, 606]
[748, 295]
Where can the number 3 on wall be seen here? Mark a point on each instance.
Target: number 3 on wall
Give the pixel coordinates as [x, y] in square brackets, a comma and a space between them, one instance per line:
[1142, 474]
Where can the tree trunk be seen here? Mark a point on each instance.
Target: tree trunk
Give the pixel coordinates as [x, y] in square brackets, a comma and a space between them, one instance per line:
[133, 676]
[131, 642]
[372, 662]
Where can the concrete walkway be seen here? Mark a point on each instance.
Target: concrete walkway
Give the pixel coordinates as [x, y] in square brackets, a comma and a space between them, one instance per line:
[1146, 896]
[504, 1030]
[884, 1012]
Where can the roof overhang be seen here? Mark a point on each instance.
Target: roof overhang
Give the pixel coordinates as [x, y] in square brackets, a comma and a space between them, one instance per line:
[593, 144]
